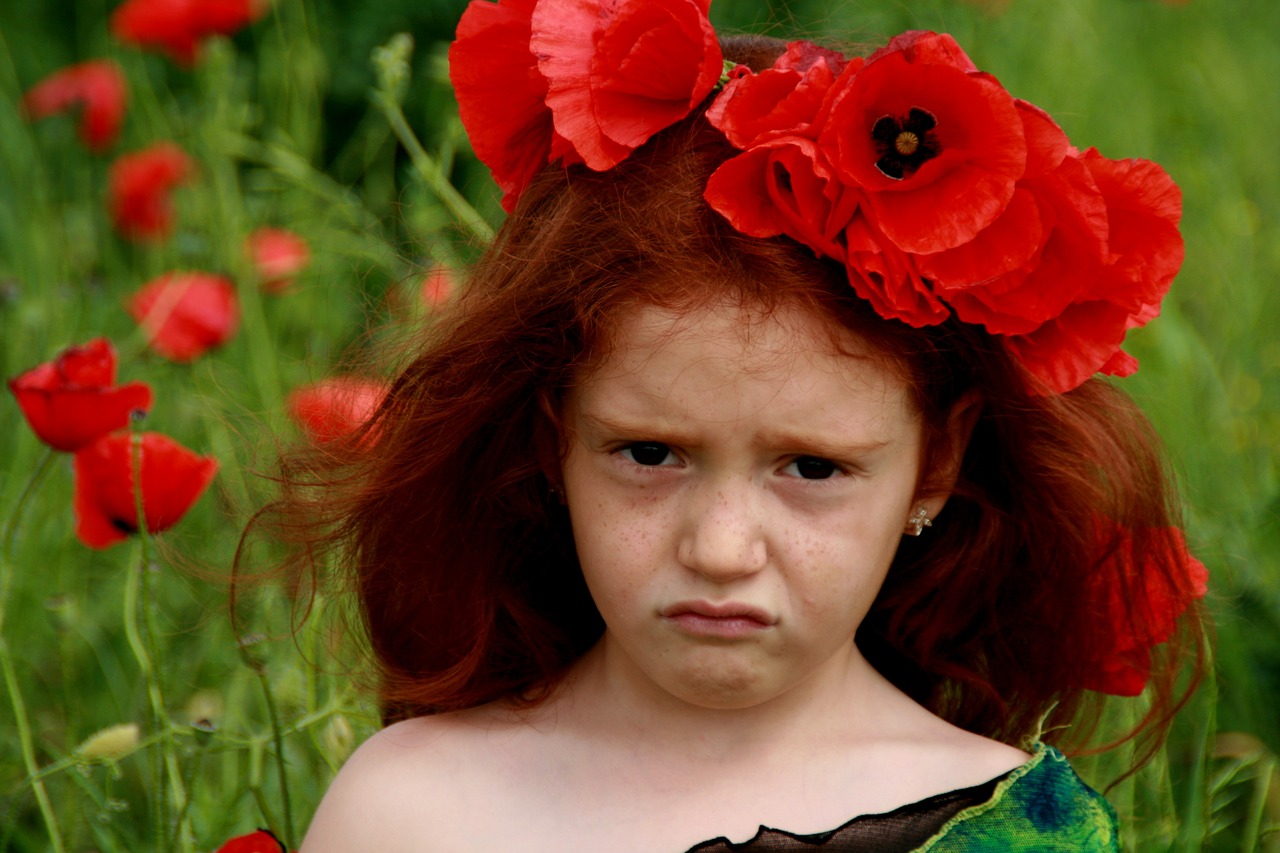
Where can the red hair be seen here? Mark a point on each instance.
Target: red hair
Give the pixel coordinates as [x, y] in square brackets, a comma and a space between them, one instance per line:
[462, 558]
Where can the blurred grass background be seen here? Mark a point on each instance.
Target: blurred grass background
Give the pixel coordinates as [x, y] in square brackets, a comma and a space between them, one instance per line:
[281, 123]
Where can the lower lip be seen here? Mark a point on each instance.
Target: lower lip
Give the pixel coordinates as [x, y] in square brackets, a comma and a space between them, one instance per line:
[725, 627]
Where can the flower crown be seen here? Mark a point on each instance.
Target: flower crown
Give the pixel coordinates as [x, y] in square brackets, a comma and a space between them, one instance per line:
[937, 190]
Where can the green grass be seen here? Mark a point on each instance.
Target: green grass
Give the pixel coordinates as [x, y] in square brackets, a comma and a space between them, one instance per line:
[283, 135]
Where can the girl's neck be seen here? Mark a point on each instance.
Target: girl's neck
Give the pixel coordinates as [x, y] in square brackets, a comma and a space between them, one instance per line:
[605, 698]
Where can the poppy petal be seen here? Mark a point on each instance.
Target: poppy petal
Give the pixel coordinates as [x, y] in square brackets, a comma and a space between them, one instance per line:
[73, 400]
[173, 478]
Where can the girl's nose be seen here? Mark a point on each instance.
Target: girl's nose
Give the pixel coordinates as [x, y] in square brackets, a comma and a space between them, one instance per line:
[723, 536]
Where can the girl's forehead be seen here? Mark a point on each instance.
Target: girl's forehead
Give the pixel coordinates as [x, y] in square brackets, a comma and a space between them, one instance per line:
[711, 348]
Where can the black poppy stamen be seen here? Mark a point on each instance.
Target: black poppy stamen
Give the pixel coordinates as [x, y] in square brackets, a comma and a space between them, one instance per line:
[905, 144]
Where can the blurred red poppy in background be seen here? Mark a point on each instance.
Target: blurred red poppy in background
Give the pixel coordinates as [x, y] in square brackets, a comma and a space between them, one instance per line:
[262, 841]
[173, 478]
[336, 407]
[178, 27]
[73, 400]
[96, 87]
[278, 256]
[184, 314]
[437, 287]
[1146, 580]
[140, 184]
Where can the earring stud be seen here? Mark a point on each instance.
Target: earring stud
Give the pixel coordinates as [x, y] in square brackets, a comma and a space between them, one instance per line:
[919, 520]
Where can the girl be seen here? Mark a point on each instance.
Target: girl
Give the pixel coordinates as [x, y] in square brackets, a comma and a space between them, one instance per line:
[759, 494]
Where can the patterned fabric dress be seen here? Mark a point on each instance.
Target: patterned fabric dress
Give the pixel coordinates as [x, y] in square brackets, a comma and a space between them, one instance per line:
[1041, 806]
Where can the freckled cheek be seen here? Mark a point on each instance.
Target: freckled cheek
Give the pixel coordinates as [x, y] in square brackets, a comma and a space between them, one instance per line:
[621, 550]
[835, 574]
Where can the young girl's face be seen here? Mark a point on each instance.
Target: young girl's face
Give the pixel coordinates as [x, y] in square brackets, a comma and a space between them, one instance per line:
[737, 490]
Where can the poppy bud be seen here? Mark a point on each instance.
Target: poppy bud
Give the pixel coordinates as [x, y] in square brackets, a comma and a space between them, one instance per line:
[110, 743]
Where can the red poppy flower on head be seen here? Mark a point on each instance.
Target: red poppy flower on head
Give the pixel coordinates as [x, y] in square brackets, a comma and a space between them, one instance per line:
[618, 71]
[73, 400]
[1146, 582]
[184, 314]
[784, 100]
[336, 407]
[1044, 253]
[139, 190]
[887, 277]
[438, 287]
[97, 87]
[262, 841]
[784, 186]
[173, 478]
[501, 94]
[277, 255]
[1111, 253]
[935, 145]
[178, 27]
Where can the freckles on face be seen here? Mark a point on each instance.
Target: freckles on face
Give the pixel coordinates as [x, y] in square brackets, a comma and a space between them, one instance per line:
[737, 489]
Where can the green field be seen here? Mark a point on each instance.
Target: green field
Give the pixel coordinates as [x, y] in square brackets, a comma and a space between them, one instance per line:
[295, 122]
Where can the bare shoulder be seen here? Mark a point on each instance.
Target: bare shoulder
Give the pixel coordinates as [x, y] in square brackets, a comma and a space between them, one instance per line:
[923, 746]
[402, 788]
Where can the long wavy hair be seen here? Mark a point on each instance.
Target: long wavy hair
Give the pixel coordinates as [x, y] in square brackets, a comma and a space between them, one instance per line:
[461, 557]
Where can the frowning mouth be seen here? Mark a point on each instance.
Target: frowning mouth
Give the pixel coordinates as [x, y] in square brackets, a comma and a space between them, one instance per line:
[729, 620]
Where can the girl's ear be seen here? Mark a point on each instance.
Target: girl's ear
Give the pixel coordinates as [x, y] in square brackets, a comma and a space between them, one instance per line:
[945, 456]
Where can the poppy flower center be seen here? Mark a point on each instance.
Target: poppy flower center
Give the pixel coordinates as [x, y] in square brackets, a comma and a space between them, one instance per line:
[904, 144]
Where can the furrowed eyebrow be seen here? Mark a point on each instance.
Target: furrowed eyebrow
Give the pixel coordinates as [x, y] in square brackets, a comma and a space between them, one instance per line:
[798, 442]
[639, 428]
[820, 446]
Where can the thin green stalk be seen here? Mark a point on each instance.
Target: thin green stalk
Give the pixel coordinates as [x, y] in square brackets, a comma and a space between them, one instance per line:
[278, 737]
[146, 648]
[154, 717]
[11, 531]
[429, 171]
[26, 740]
[203, 738]
[27, 744]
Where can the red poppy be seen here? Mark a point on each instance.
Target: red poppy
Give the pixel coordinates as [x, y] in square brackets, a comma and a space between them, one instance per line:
[277, 256]
[1147, 580]
[140, 188]
[262, 841]
[73, 400]
[887, 277]
[1109, 252]
[336, 407]
[784, 100]
[438, 286]
[618, 71]
[97, 87]
[576, 80]
[935, 145]
[784, 186]
[501, 95]
[184, 314]
[173, 478]
[178, 27]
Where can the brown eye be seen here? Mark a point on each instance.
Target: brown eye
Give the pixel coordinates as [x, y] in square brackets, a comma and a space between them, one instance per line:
[647, 453]
[814, 468]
